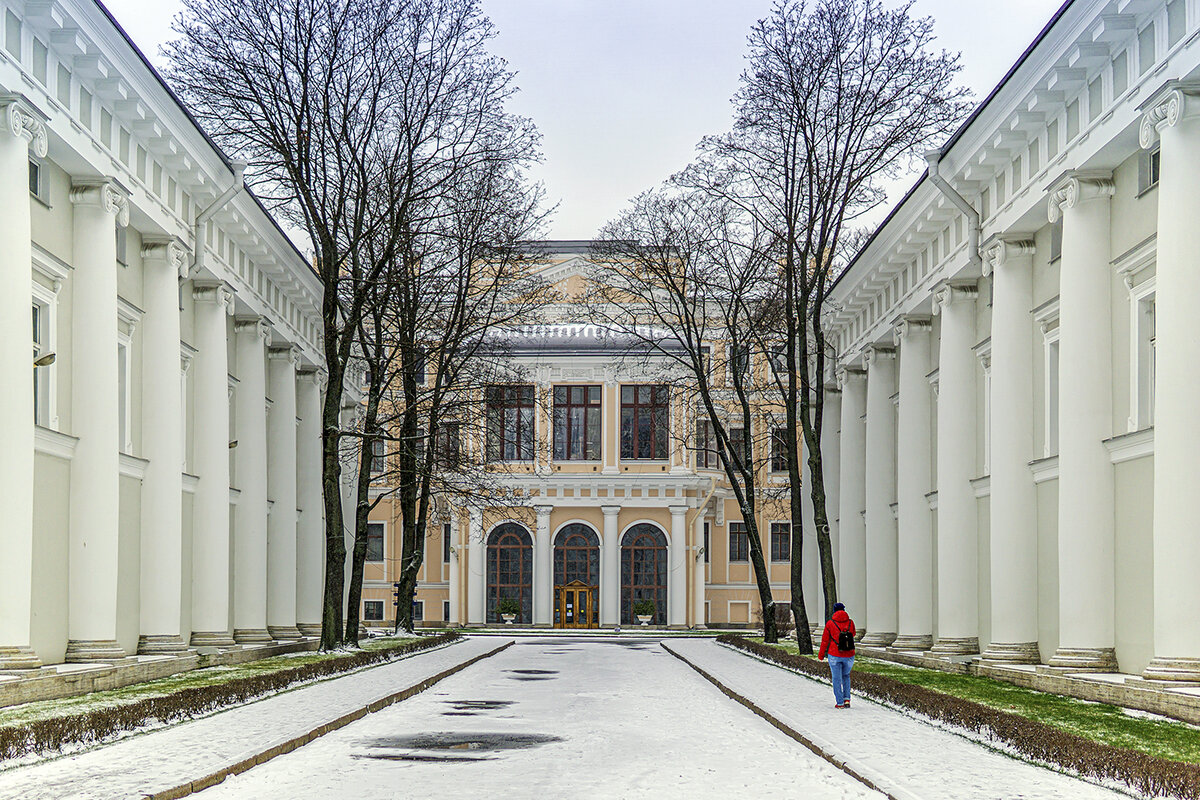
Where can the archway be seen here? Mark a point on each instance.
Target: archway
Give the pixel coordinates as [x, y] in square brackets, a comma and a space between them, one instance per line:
[644, 571]
[510, 570]
[577, 577]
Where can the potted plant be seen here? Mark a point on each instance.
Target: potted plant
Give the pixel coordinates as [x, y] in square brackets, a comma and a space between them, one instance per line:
[644, 611]
[508, 608]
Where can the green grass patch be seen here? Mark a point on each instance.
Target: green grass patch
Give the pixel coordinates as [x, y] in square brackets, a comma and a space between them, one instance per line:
[1100, 722]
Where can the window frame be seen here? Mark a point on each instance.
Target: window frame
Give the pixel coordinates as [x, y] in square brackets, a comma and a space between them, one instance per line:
[739, 542]
[779, 528]
[708, 453]
[418, 611]
[381, 537]
[373, 603]
[447, 538]
[779, 454]
[565, 425]
[520, 399]
[658, 407]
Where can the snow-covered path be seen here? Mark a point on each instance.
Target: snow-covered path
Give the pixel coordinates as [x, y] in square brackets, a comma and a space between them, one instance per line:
[555, 717]
[160, 760]
[903, 755]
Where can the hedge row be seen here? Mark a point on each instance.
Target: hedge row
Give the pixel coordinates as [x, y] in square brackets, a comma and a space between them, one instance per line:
[1147, 774]
[52, 734]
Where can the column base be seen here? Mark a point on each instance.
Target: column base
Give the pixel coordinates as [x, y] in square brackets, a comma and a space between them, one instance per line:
[160, 645]
[955, 646]
[1084, 659]
[1012, 653]
[83, 651]
[913, 641]
[212, 639]
[252, 636]
[878, 639]
[1173, 669]
[283, 633]
[309, 628]
[19, 658]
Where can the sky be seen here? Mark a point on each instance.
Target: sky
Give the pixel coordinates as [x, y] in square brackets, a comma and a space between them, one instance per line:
[622, 90]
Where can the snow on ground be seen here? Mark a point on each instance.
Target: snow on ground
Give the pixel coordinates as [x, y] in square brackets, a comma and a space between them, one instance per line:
[142, 765]
[556, 717]
[903, 752]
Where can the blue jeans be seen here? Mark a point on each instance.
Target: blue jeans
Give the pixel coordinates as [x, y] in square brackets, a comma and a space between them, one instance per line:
[839, 668]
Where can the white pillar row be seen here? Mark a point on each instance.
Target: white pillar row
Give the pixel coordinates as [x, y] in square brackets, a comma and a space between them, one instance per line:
[698, 578]
[610, 568]
[20, 127]
[1172, 115]
[958, 512]
[210, 506]
[677, 569]
[476, 570]
[164, 263]
[1086, 524]
[95, 466]
[250, 516]
[806, 540]
[880, 494]
[543, 568]
[281, 486]
[310, 526]
[455, 567]
[831, 447]
[1014, 527]
[852, 546]
[914, 479]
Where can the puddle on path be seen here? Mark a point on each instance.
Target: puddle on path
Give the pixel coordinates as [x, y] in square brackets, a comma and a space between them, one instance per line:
[485, 705]
[534, 671]
[452, 747]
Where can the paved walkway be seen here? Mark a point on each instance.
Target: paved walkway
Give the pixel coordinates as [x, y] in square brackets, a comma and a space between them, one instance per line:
[902, 755]
[157, 761]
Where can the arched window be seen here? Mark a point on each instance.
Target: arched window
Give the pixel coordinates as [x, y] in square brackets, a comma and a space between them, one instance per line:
[577, 559]
[644, 571]
[510, 570]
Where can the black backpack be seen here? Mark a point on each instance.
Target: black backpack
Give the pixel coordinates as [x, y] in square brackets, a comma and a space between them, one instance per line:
[845, 639]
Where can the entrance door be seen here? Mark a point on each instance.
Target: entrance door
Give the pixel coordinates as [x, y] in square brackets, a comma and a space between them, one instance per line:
[575, 606]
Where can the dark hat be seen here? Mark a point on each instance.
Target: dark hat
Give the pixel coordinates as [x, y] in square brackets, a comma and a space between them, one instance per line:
[839, 606]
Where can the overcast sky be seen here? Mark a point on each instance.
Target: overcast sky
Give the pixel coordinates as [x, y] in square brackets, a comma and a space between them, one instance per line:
[623, 89]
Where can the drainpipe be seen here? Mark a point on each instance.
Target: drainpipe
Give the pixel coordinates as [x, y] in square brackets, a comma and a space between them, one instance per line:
[239, 171]
[934, 158]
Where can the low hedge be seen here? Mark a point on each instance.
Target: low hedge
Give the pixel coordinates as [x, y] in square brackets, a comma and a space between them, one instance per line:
[1149, 775]
[55, 733]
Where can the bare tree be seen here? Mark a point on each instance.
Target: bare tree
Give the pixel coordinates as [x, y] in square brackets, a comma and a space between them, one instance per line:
[838, 96]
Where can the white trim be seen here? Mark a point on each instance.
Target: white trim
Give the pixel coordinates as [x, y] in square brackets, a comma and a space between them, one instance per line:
[982, 486]
[53, 443]
[666, 534]
[47, 300]
[554, 533]
[50, 266]
[1044, 469]
[128, 317]
[932, 499]
[133, 467]
[190, 482]
[1046, 315]
[1141, 354]
[729, 604]
[1130, 446]
[234, 496]
[983, 352]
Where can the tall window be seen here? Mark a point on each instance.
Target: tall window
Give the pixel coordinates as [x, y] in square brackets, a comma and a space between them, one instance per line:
[644, 571]
[781, 541]
[779, 450]
[644, 415]
[739, 360]
[378, 455]
[446, 443]
[707, 548]
[446, 542]
[739, 542]
[510, 423]
[375, 541]
[706, 446]
[577, 423]
[510, 570]
[39, 350]
[737, 445]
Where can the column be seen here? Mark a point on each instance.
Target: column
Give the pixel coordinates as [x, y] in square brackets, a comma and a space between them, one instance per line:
[831, 441]
[698, 579]
[880, 494]
[210, 509]
[610, 568]
[1172, 116]
[476, 570]
[281, 486]
[250, 515]
[455, 571]
[164, 262]
[914, 448]
[852, 573]
[95, 470]
[352, 415]
[1014, 526]
[20, 127]
[958, 512]
[676, 569]
[1086, 525]
[543, 568]
[310, 526]
[806, 539]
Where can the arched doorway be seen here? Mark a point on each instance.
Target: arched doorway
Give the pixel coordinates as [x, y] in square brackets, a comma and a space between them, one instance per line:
[644, 571]
[510, 570]
[577, 577]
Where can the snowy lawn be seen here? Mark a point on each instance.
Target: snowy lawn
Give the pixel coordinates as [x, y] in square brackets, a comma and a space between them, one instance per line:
[1099, 722]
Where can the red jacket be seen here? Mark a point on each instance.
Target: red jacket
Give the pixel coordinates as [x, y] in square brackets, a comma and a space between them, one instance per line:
[841, 621]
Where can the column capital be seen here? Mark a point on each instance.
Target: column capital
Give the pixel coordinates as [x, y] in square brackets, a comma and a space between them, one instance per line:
[947, 294]
[216, 293]
[677, 511]
[285, 352]
[1077, 187]
[877, 353]
[168, 249]
[24, 120]
[910, 325]
[845, 373]
[317, 376]
[543, 512]
[104, 193]
[610, 511]
[1000, 250]
[1174, 101]
[253, 324]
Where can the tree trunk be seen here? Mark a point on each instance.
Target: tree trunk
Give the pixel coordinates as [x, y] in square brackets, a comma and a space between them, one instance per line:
[335, 543]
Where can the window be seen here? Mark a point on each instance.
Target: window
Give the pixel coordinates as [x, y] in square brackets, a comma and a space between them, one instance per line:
[707, 549]
[124, 394]
[705, 358]
[446, 534]
[446, 444]
[644, 411]
[446, 610]
[40, 57]
[706, 446]
[738, 446]
[372, 611]
[1120, 70]
[419, 366]
[779, 450]
[39, 349]
[577, 423]
[122, 246]
[1149, 168]
[739, 360]
[35, 178]
[1050, 442]
[1146, 49]
[375, 541]
[418, 610]
[1056, 237]
[378, 454]
[1142, 366]
[739, 542]
[510, 423]
[509, 570]
[781, 541]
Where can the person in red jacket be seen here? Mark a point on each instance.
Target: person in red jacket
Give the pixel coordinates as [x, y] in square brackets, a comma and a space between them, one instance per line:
[837, 642]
